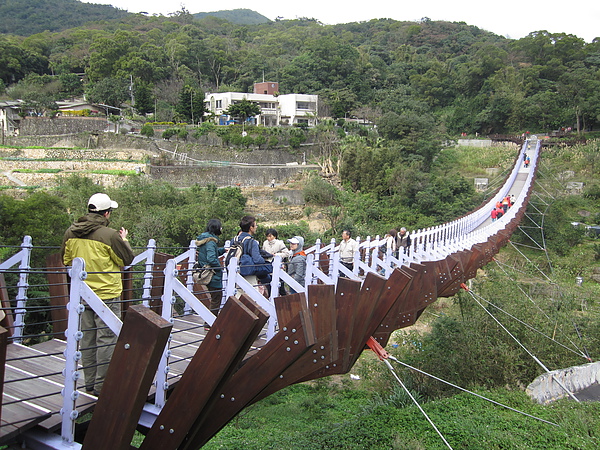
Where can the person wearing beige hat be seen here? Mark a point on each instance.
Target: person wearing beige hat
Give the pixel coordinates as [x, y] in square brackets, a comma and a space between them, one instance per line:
[105, 251]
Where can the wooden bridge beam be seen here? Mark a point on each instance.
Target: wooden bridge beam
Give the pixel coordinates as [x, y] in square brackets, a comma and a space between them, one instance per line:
[213, 359]
[255, 374]
[130, 374]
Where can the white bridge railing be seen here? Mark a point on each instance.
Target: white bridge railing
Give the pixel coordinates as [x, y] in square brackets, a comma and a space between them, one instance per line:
[430, 244]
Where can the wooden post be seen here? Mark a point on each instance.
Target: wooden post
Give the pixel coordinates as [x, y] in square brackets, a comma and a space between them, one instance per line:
[212, 360]
[128, 380]
[58, 287]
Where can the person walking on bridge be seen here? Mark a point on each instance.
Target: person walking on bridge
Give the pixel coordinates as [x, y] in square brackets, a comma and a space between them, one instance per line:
[105, 251]
[296, 268]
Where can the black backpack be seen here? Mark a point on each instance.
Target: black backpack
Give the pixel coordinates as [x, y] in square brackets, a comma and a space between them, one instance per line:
[236, 250]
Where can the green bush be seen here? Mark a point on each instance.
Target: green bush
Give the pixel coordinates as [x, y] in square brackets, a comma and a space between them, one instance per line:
[320, 192]
[147, 130]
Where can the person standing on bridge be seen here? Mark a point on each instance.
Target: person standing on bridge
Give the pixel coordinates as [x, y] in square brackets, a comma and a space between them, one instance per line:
[403, 240]
[105, 251]
[296, 268]
[208, 255]
[276, 247]
[348, 248]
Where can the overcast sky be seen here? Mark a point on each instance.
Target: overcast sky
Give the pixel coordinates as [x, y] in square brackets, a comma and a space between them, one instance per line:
[510, 18]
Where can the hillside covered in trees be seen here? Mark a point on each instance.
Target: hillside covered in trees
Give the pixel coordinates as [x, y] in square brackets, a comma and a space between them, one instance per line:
[406, 76]
[27, 17]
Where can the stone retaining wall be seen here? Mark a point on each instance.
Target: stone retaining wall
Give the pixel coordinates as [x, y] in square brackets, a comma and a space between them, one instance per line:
[185, 176]
[40, 126]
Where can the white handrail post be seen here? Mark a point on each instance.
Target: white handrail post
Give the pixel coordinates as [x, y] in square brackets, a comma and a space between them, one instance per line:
[330, 253]
[309, 276]
[317, 258]
[190, 270]
[22, 286]
[168, 300]
[275, 278]
[231, 273]
[148, 273]
[72, 355]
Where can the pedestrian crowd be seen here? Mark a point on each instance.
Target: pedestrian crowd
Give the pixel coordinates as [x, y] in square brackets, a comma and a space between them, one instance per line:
[256, 262]
[502, 207]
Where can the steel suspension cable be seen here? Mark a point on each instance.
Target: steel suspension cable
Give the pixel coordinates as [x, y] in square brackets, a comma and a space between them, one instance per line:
[387, 363]
[470, 392]
[585, 355]
[534, 265]
[521, 345]
[531, 327]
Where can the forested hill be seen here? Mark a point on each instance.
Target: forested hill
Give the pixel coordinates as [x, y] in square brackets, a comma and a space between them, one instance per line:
[239, 16]
[27, 17]
[409, 78]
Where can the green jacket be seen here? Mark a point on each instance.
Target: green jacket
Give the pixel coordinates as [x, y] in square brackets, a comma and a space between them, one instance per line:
[102, 249]
[208, 253]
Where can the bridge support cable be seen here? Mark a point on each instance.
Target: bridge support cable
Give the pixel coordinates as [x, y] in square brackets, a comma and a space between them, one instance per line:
[470, 392]
[579, 352]
[520, 344]
[384, 356]
[532, 328]
[532, 263]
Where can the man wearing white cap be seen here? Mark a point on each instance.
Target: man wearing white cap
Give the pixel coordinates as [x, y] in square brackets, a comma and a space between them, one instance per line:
[104, 251]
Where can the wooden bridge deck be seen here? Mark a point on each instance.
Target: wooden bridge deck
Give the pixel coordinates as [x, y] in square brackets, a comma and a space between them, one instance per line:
[33, 378]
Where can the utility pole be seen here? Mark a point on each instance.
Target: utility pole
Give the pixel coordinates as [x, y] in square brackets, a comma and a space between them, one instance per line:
[192, 104]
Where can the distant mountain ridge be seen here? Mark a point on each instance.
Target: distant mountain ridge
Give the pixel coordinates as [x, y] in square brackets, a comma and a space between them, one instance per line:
[238, 16]
[27, 17]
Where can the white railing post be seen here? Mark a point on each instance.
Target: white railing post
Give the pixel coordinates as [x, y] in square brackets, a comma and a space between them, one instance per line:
[148, 273]
[275, 277]
[73, 334]
[332, 274]
[168, 300]
[22, 285]
[189, 281]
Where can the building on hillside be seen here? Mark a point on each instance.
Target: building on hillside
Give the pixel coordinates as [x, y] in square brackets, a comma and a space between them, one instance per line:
[82, 107]
[275, 109]
[9, 117]
[11, 120]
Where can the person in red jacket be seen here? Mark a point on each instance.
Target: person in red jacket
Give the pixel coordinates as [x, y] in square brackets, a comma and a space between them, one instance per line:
[494, 214]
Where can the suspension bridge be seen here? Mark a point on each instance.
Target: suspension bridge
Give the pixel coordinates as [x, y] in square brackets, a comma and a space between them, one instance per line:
[166, 363]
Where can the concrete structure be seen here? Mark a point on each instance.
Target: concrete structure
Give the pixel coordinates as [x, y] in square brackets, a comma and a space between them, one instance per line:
[550, 386]
[288, 109]
[9, 117]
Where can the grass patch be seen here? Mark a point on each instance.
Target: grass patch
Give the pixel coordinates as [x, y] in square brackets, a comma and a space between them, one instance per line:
[333, 417]
[38, 170]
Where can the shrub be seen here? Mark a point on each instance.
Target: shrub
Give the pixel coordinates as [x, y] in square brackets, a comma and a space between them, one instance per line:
[147, 130]
[320, 192]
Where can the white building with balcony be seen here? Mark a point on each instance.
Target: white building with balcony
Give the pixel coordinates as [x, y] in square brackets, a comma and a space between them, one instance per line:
[275, 109]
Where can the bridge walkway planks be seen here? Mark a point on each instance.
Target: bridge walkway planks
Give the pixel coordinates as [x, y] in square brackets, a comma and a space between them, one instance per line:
[34, 380]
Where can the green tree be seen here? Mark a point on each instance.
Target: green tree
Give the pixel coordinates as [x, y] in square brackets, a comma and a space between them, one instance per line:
[190, 106]
[243, 109]
[144, 100]
[147, 130]
[109, 91]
